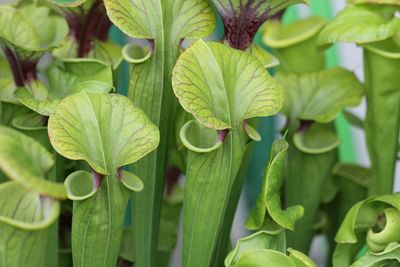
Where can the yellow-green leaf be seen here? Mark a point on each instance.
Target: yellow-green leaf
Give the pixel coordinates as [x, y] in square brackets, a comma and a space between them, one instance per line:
[107, 131]
[222, 86]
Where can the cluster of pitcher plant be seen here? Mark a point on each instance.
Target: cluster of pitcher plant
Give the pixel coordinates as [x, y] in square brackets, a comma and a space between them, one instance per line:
[90, 177]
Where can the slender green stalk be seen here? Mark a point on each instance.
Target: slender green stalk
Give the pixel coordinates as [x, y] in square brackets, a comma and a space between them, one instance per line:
[165, 24]
[306, 176]
[382, 122]
[109, 132]
[375, 27]
[218, 138]
[214, 175]
[52, 250]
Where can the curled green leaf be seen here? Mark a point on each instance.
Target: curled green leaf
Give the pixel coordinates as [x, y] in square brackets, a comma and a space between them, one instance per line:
[265, 249]
[357, 174]
[30, 121]
[390, 255]
[135, 54]
[317, 139]
[375, 217]
[198, 138]
[378, 2]
[31, 29]
[269, 200]
[259, 240]
[25, 217]
[68, 77]
[80, 185]
[264, 257]
[131, 181]
[320, 96]
[221, 87]
[267, 59]
[251, 132]
[300, 259]
[68, 3]
[277, 35]
[377, 241]
[29, 166]
[293, 43]
[359, 24]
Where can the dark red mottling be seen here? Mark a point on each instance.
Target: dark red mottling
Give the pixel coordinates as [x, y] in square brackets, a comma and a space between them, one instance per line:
[240, 30]
[98, 178]
[172, 178]
[242, 25]
[85, 27]
[23, 69]
[222, 134]
[305, 125]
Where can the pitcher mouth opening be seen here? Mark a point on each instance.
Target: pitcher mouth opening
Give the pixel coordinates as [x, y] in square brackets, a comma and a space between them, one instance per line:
[389, 48]
[277, 35]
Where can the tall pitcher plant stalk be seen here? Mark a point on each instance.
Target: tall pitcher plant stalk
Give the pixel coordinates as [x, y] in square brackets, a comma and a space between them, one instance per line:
[89, 177]
[163, 25]
[314, 97]
[378, 38]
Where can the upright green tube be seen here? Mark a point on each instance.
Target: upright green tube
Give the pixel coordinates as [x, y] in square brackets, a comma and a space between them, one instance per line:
[375, 28]
[294, 44]
[217, 140]
[382, 80]
[295, 47]
[164, 24]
